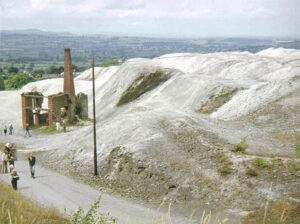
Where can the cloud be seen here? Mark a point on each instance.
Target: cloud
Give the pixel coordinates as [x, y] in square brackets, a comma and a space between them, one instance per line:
[125, 4]
[218, 17]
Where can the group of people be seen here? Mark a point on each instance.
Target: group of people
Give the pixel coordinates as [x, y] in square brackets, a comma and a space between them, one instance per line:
[8, 157]
[8, 130]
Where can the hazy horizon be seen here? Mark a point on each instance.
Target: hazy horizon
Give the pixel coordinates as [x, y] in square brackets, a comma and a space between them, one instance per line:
[164, 18]
[143, 35]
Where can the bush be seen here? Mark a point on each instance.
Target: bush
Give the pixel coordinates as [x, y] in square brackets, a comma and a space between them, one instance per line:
[240, 147]
[261, 163]
[92, 216]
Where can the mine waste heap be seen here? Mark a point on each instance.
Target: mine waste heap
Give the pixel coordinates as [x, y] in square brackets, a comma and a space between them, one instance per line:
[62, 107]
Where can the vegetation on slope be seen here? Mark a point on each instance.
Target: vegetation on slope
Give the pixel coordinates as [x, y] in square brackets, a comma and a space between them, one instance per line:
[214, 102]
[142, 84]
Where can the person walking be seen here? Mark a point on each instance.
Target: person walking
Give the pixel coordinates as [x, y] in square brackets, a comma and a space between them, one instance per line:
[4, 163]
[11, 128]
[32, 160]
[5, 130]
[14, 179]
[27, 131]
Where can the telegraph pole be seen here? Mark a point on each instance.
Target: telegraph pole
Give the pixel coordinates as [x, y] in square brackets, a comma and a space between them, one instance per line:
[94, 121]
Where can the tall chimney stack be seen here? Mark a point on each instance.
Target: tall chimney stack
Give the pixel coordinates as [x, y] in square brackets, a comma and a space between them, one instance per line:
[68, 74]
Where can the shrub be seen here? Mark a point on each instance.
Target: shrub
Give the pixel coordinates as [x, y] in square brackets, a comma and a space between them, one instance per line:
[240, 147]
[261, 163]
[92, 216]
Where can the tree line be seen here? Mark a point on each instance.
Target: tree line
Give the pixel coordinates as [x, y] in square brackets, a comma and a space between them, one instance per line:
[12, 77]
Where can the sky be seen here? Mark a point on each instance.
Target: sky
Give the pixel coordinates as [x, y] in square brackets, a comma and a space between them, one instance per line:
[156, 18]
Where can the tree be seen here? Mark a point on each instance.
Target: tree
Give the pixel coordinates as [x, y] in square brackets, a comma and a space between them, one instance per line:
[60, 69]
[12, 69]
[38, 72]
[18, 80]
[52, 69]
[2, 85]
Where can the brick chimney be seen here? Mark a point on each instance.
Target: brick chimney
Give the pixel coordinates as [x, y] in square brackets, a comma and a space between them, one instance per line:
[68, 74]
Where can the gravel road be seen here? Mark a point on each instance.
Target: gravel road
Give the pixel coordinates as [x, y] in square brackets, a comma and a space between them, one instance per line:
[67, 195]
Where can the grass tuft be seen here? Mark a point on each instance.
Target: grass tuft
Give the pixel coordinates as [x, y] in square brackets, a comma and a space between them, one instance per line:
[226, 164]
[240, 147]
[262, 164]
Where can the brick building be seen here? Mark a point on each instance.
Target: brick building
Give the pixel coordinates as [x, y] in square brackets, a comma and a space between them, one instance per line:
[64, 105]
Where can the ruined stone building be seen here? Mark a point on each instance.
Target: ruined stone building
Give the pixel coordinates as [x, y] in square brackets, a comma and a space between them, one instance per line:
[65, 105]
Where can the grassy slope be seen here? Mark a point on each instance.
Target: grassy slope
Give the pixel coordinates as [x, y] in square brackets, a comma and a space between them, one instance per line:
[14, 208]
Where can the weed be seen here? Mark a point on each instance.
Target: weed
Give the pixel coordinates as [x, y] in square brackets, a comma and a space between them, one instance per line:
[261, 163]
[92, 216]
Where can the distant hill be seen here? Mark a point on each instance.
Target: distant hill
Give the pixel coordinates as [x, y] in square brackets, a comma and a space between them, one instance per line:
[36, 46]
[37, 32]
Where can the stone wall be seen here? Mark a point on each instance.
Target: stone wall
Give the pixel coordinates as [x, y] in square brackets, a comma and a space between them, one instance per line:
[82, 105]
[55, 103]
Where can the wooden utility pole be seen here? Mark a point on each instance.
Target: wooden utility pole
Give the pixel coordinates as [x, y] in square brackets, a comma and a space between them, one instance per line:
[94, 121]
